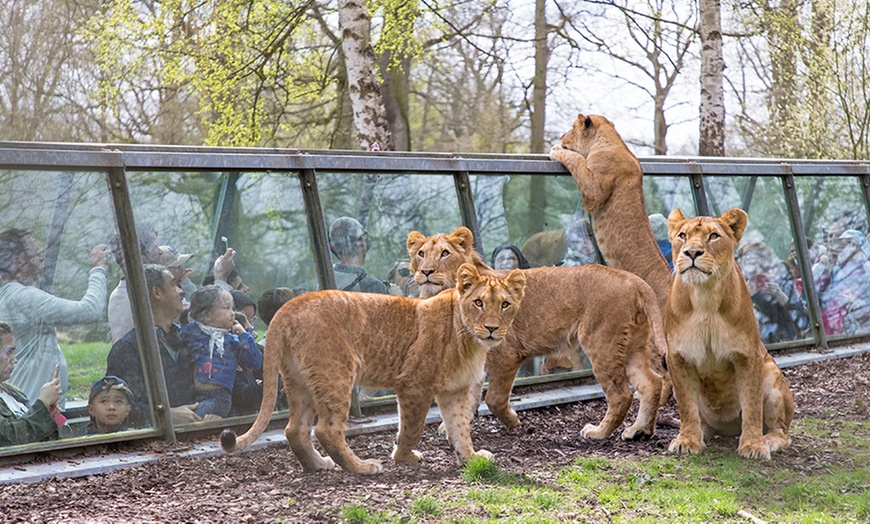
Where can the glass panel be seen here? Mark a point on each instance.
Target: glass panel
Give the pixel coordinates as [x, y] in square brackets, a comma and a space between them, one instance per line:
[765, 254]
[663, 194]
[369, 217]
[264, 222]
[538, 219]
[835, 218]
[54, 227]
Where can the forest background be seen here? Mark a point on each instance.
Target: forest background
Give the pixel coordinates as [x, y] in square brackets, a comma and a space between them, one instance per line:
[785, 78]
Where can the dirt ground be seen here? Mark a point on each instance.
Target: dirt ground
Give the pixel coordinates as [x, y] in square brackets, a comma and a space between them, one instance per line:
[261, 486]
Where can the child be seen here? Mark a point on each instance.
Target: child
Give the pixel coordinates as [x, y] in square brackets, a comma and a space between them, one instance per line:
[109, 404]
[217, 343]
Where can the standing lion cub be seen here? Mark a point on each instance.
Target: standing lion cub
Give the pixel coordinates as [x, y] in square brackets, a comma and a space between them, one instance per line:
[724, 380]
[325, 342]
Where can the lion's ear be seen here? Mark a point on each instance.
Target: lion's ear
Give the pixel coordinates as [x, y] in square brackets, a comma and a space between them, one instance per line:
[516, 284]
[466, 277]
[415, 240]
[735, 220]
[464, 238]
[675, 222]
[587, 123]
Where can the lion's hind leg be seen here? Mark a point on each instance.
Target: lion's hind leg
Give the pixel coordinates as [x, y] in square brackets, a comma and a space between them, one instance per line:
[456, 412]
[616, 393]
[413, 407]
[648, 385]
[778, 408]
[332, 394]
[298, 430]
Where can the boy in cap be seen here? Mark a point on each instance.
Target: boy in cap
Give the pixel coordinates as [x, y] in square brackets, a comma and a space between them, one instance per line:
[109, 404]
[175, 263]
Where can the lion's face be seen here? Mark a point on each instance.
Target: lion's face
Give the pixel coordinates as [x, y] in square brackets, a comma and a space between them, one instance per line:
[583, 132]
[436, 259]
[703, 247]
[488, 304]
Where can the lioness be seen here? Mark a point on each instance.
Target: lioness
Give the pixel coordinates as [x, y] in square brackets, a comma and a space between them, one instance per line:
[608, 311]
[325, 342]
[610, 180]
[724, 380]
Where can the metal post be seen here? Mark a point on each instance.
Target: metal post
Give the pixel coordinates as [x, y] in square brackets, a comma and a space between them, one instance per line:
[152, 366]
[466, 207]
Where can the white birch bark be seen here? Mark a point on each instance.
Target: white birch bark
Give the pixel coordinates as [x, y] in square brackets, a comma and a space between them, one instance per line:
[712, 110]
[369, 114]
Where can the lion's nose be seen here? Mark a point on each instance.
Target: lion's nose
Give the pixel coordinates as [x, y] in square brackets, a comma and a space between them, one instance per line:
[693, 253]
[491, 329]
[427, 272]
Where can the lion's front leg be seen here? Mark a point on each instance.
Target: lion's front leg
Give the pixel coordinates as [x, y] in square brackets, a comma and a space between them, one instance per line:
[749, 381]
[413, 407]
[503, 364]
[456, 412]
[592, 188]
[687, 387]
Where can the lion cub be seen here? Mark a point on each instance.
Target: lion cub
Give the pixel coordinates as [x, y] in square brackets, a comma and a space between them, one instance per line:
[325, 342]
[725, 382]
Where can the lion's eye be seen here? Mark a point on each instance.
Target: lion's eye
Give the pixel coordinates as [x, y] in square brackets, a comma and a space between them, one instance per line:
[445, 253]
[505, 304]
[478, 302]
[420, 254]
[681, 236]
[713, 236]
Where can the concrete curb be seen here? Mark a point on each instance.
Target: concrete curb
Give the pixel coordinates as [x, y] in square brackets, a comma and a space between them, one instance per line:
[28, 473]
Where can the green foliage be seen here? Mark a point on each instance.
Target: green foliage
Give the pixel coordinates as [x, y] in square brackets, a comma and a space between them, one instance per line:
[426, 507]
[86, 363]
[481, 470]
[357, 514]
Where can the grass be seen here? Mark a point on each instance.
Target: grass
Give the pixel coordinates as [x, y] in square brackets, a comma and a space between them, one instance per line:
[87, 363]
[823, 478]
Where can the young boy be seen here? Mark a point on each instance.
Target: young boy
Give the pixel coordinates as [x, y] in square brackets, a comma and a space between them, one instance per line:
[109, 404]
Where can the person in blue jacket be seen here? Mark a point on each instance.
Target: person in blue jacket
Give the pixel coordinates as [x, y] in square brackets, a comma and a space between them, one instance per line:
[217, 343]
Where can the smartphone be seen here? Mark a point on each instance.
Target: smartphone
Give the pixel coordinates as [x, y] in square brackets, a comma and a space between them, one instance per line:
[224, 244]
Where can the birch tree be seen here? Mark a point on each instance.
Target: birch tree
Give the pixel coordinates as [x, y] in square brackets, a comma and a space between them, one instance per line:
[711, 140]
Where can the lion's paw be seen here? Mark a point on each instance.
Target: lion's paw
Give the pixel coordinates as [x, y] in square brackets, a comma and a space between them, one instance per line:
[325, 463]
[594, 432]
[633, 433]
[369, 467]
[755, 449]
[411, 457]
[483, 453]
[683, 445]
[777, 441]
[442, 429]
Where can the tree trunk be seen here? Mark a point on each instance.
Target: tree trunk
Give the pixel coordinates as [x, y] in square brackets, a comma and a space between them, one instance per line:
[537, 185]
[712, 110]
[369, 113]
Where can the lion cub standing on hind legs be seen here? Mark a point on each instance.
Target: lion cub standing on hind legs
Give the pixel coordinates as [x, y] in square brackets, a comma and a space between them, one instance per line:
[725, 382]
[325, 342]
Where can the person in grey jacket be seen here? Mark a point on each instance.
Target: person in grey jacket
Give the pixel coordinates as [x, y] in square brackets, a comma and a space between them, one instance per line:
[35, 314]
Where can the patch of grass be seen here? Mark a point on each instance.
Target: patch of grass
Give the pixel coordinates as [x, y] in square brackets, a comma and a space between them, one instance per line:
[87, 363]
[356, 514]
[426, 507]
[481, 470]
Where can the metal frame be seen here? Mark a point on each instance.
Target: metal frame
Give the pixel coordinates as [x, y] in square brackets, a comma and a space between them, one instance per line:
[117, 160]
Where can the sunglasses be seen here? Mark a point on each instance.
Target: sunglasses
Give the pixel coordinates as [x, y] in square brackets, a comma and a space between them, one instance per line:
[404, 272]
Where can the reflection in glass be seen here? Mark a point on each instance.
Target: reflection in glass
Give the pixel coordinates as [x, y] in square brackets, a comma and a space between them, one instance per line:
[663, 194]
[538, 219]
[836, 224]
[54, 263]
[765, 253]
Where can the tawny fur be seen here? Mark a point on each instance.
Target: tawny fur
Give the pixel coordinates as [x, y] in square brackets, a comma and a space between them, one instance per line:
[610, 181]
[607, 311]
[725, 382]
[327, 341]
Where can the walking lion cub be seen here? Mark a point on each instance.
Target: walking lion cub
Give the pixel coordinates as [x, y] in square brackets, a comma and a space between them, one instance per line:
[325, 342]
[725, 382]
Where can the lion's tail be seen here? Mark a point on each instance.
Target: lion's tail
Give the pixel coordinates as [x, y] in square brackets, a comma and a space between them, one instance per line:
[271, 359]
[649, 305]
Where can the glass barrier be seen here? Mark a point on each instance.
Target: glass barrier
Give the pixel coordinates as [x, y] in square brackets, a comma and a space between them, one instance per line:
[765, 253]
[663, 194]
[54, 339]
[835, 219]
